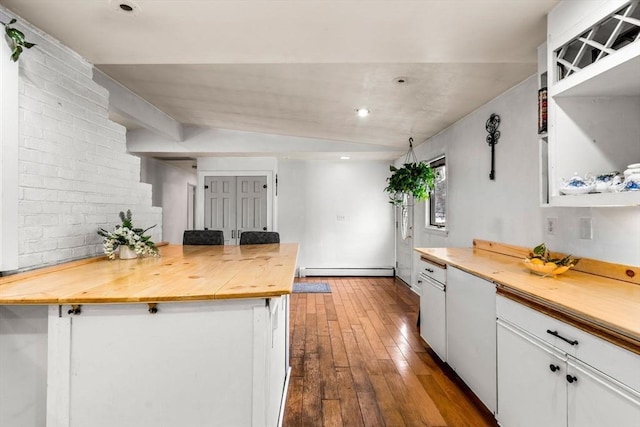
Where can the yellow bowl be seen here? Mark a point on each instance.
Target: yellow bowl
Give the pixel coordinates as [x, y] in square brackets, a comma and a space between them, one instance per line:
[544, 269]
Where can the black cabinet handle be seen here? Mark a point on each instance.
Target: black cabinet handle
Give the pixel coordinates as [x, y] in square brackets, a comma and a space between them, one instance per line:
[556, 334]
[554, 367]
[430, 270]
[572, 379]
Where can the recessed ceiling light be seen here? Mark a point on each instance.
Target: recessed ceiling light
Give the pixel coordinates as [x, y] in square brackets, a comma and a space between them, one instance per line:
[127, 7]
[363, 112]
[344, 157]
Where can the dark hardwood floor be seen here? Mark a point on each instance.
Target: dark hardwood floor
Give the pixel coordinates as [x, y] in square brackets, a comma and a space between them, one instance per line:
[357, 360]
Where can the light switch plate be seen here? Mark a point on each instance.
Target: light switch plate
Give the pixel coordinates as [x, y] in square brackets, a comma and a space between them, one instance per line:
[586, 230]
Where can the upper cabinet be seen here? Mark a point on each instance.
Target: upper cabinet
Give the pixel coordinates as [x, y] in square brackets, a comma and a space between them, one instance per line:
[593, 79]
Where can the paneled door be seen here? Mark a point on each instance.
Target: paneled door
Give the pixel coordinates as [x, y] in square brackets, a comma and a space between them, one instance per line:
[235, 204]
[404, 243]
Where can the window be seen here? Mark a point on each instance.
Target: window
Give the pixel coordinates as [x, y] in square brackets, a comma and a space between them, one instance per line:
[438, 198]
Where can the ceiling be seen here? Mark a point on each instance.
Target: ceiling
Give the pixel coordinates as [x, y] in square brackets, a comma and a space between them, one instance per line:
[301, 67]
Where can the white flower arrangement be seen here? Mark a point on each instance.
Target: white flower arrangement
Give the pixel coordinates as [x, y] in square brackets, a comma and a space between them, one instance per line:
[125, 234]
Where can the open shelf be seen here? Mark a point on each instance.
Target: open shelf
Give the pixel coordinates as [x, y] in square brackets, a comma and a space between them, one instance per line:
[615, 75]
[628, 198]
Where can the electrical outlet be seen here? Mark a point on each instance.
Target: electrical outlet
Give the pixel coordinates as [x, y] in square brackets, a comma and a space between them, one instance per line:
[552, 224]
[586, 230]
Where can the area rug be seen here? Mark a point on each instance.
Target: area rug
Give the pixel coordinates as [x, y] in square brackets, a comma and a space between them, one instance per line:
[311, 287]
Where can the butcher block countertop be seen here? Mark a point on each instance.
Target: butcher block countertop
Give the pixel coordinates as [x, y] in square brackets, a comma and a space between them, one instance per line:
[606, 307]
[181, 273]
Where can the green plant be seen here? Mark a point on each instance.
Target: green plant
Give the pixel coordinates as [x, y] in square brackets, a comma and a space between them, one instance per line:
[126, 234]
[15, 40]
[541, 253]
[414, 179]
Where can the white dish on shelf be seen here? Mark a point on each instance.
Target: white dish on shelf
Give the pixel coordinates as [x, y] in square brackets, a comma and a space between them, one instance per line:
[604, 182]
[631, 171]
[577, 185]
[572, 191]
[634, 166]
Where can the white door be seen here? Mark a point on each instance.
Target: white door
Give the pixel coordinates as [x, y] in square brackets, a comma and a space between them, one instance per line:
[433, 327]
[531, 381]
[471, 332]
[191, 205]
[220, 205]
[251, 203]
[404, 243]
[235, 204]
[594, 399]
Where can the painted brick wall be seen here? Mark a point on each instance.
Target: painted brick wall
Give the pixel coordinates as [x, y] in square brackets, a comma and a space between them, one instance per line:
[75, 174]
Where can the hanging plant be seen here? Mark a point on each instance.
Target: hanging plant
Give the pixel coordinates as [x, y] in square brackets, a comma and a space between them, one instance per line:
[413, 179]
[15, 40]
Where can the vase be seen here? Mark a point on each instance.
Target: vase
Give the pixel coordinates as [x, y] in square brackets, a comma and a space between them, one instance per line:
[125, 252]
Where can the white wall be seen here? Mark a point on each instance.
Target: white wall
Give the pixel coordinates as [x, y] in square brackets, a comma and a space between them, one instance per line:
[313, 194]
[75, 174]
[507, 209]
[170, 192]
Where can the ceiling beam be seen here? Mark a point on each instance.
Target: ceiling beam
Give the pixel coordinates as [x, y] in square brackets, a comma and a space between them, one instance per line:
[131, 106]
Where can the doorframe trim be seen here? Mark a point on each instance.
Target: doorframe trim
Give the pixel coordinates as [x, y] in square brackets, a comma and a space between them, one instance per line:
[272, 224]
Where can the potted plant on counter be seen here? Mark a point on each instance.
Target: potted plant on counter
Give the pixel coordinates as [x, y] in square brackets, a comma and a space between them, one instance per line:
[129, 241]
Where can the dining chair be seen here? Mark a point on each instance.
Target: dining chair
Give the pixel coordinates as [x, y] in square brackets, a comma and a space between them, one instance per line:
[203, 237]
[259, 237]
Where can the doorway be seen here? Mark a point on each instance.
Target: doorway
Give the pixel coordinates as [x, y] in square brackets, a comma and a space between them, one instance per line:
[191, 207]
[404, 242]
[235, 204]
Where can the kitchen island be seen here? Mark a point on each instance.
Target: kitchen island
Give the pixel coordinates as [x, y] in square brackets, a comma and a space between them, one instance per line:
[198, 336]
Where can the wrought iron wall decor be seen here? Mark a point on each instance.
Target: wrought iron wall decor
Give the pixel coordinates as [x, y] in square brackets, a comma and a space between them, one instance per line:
[493, 122]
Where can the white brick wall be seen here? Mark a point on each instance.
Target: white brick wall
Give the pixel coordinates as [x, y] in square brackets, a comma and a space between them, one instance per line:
[75, 173]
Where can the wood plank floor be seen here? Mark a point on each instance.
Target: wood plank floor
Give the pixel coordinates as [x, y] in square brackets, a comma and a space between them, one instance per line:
[357, 360]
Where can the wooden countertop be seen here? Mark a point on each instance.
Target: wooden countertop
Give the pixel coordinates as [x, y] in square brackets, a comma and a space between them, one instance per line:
[605, 307]
[181, 273]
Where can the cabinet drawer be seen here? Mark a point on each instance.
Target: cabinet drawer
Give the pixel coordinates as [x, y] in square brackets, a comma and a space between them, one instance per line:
[433, 271]
[608, 358]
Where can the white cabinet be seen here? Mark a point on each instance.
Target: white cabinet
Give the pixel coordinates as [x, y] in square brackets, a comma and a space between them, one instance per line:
[593, 96]
[211, 363]
[471, 332]
[543, 380]
[596, 400]
[432, 279]
[531, 385]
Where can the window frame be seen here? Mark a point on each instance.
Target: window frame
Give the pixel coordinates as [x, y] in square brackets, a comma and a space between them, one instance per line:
[429, 222]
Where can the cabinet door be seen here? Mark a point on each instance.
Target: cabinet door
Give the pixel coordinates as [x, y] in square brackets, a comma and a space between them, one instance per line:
[471, 332]
[432, 317]
[596, 400]
[278, 357]
[531, 381]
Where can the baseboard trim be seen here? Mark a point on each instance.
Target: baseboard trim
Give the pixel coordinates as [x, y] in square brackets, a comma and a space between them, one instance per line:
[377, 272]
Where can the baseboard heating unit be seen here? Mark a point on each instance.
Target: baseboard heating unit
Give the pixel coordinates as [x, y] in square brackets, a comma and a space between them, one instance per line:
[328, 272]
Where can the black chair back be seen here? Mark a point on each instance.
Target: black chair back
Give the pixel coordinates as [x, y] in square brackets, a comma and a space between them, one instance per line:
[203, 237]
[259, 237]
